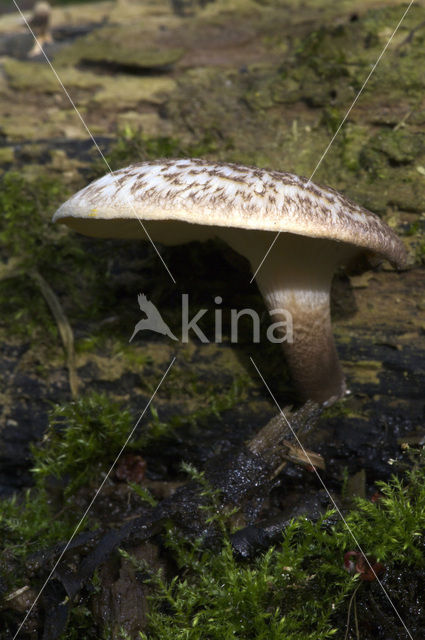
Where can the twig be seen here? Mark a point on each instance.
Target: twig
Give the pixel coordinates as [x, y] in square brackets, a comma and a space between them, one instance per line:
[274, 443]
[350, 604]
[11, 269]
[408, 39]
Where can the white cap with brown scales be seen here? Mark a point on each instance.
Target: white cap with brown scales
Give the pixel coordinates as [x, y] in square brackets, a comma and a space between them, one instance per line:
[183, 200]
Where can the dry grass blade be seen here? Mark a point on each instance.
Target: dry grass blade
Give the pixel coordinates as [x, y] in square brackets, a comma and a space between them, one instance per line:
[15, 268]
[65, 330]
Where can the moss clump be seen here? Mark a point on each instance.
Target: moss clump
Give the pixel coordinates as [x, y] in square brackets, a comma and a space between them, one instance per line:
[30, 76]
[83, 438]
[207, 402]
[298, 589]
[37, 78]
[399, 146]
[26, 210]
[28, 524]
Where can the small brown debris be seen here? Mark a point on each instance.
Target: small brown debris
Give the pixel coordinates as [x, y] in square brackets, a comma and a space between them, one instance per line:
[131, 468]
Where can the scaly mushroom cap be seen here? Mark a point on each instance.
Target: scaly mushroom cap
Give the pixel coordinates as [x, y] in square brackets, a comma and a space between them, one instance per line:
[224, 195]
[40, 19]
[183, 200]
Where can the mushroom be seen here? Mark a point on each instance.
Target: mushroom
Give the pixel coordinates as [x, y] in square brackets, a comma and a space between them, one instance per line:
[40, 26]
[192, 199]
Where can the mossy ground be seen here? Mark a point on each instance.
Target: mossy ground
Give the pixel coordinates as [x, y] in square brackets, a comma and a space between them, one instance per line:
[257, 82]
[276, 596]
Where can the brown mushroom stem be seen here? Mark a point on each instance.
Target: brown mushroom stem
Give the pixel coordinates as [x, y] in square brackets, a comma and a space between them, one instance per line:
[295, 278]
[311, 355]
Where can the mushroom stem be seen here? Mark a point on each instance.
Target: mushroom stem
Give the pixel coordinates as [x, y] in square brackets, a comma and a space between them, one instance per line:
[311, 354]
[296, 278]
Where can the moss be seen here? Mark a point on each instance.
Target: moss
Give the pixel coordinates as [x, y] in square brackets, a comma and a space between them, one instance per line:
[83, 438]
[27, 524]
[39, 78]
[209, 401]
[298, 589]
[7, 155]
[128, 92]
[355, 139]
[26, 210]
[399, 146]
[30, 75]
[82, 441]
[123, 46]
[337, 410]
[363, 371]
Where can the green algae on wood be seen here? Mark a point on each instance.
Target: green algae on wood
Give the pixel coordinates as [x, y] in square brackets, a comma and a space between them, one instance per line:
[125, 91]
[123, 46]
[38, 77]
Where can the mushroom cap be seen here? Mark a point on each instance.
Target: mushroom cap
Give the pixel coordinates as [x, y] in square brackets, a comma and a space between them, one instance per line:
[224, 195]
[42, 8]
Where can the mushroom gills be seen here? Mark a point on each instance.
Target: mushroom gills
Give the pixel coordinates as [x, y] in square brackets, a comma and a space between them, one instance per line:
[167, 232]
[295, 276]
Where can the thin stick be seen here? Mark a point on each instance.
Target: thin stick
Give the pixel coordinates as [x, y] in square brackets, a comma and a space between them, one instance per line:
[352, 599]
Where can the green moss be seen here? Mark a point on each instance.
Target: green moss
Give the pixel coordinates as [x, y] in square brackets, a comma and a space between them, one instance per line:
[337, 410]
[207, 401]
[30, 75]
[133, 146]
[39, 78]
[129, 91]
[298, 589]
[26, 210]
[83, 438]
[399, 146]
[118, 45]
[7, 155]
